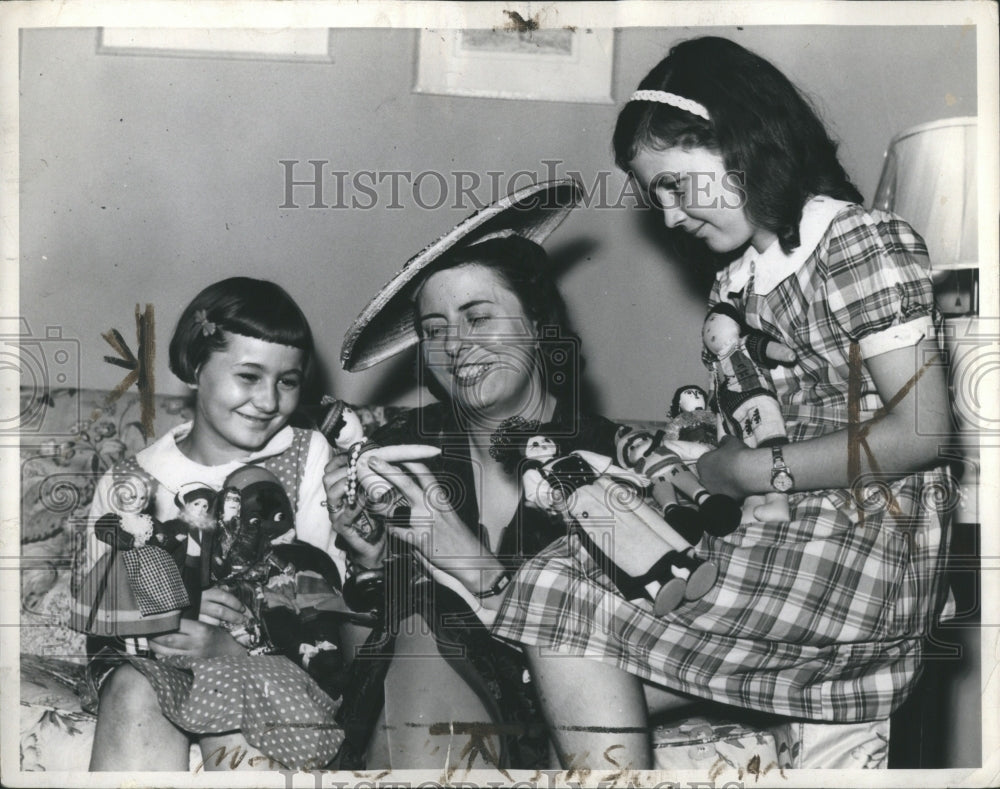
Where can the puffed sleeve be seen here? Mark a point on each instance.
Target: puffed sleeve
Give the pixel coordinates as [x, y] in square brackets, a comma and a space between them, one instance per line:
[312, 522]
[877, 285]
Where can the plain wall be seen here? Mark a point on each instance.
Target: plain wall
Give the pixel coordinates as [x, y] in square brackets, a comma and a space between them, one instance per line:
[144, 178]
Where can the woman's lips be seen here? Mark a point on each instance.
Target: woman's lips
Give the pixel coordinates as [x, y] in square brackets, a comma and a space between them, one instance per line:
[467, 374]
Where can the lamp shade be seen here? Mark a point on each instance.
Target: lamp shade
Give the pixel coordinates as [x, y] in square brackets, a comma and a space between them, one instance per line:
[929, 179]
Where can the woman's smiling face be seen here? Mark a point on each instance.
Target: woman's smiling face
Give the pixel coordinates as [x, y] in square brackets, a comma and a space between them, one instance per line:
[478, 342]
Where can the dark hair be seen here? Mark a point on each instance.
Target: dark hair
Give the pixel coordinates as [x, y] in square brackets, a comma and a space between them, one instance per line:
[238, 305]
[675, 404]
[525, 270]
[761, 125]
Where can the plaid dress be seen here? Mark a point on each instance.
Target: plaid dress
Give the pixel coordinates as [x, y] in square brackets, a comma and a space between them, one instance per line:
[821, 617]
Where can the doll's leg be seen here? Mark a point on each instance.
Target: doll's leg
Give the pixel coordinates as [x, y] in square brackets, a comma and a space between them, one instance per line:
[636, 546]
[132, 734]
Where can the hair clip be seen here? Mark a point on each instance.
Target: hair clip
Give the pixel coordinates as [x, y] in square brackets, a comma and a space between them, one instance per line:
[201, 320]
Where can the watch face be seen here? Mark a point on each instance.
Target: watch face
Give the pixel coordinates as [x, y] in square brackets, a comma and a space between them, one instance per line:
[782, 481]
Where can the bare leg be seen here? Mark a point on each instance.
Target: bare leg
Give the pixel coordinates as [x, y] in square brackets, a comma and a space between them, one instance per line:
[132, 734]
[606, 726]
[433, 718]
[231, 751]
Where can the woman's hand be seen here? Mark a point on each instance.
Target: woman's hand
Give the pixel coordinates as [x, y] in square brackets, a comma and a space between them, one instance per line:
[343, 516]
[435, 529]
[720, 469]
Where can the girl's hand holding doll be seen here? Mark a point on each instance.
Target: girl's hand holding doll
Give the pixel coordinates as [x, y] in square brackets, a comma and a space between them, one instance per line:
[203, 640]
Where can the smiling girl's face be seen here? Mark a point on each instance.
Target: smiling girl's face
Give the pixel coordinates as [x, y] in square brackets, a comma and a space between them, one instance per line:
[697, 194]
[245, 394]
[478, 342]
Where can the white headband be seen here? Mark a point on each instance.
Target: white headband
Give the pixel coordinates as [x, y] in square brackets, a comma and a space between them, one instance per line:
[662, 97]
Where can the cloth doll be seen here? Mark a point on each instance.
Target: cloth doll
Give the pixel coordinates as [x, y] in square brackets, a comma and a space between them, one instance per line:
[690, 418]
[744, 393]
[134, 589]
[188, 537]
[343, 429]
[648, 454]
[590, 493]
[290, 588]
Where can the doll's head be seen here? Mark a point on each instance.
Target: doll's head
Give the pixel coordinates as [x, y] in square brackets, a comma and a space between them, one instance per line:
[194, 502]
[722, 329]
[632, 446]
[132, 491]
[227, 505]
[264, 504]
[540, 448]
[687, 399]
[350, 429]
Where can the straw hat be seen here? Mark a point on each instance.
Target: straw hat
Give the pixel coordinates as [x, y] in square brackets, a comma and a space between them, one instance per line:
[385, 327]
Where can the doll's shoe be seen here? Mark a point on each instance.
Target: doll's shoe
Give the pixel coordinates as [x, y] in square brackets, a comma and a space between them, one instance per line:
[720, 514]
[670, 596]
[685, 521]
[664, 574]
[702, 574]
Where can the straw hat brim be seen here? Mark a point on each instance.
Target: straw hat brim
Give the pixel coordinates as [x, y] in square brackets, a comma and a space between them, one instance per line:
[386, 326]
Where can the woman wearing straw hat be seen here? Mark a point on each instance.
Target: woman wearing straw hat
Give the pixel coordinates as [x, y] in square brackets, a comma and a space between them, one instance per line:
[495, 349]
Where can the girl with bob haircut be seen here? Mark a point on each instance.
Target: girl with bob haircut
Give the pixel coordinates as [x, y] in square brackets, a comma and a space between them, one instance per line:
[243, 346]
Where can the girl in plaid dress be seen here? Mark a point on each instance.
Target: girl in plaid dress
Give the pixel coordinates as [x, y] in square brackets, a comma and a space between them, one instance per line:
[243, 346]
[822, 616]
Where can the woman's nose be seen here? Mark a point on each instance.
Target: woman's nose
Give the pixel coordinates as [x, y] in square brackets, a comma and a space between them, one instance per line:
[453, 340]
[673, 216]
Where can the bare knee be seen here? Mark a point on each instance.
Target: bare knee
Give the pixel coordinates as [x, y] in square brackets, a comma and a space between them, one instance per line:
[127, 690]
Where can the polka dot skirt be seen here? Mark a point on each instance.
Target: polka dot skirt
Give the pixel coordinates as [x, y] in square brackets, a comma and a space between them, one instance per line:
[277, 706]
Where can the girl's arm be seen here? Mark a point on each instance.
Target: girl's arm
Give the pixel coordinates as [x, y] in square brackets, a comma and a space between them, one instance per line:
[901, 440]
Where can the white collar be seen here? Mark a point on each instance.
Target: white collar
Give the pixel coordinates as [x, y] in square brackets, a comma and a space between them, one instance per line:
[173, 468]
[772, 266]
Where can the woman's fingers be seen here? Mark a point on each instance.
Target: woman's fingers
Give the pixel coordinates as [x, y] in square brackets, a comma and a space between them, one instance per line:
[397, 453]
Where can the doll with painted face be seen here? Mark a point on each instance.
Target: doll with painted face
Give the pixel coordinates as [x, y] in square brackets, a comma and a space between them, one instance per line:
[343, 429]
[590, 493]
[650, 455]
[748, 405]
[290, 587]
[188, 537]
[690, 417]
[135, 589]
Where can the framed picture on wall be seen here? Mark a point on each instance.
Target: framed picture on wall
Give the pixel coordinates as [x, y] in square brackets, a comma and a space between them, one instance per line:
[544, 65]
[289, 44]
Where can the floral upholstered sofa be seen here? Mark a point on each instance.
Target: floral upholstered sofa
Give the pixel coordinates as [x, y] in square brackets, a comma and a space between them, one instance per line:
[71, 437]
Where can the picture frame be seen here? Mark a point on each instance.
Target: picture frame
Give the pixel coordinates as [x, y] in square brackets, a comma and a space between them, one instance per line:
[562, 64]
[296, 44]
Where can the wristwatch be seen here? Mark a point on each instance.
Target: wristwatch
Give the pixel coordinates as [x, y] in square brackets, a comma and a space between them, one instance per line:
[501, 583]
[781, 476]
